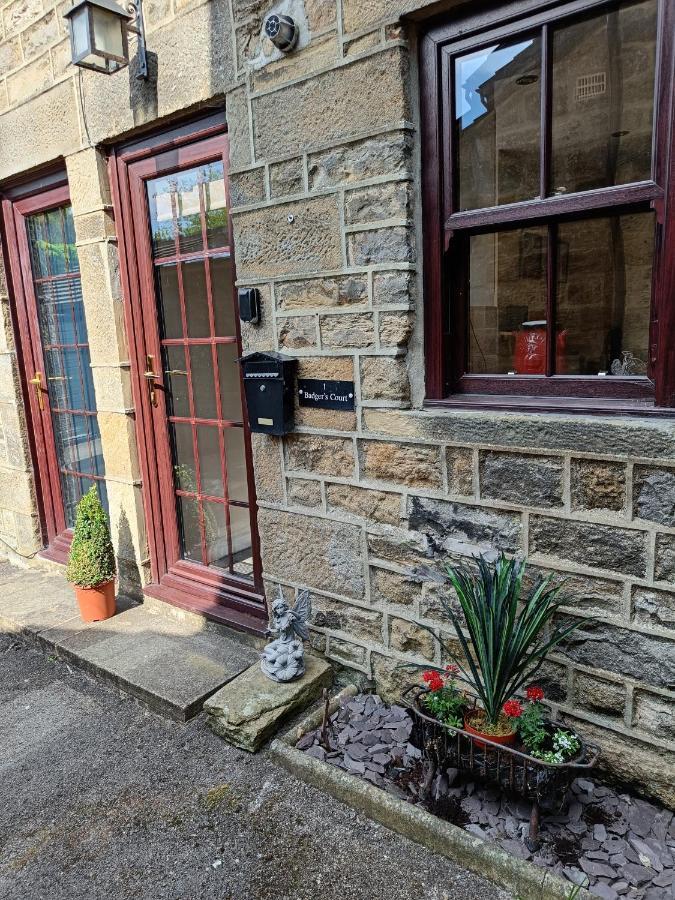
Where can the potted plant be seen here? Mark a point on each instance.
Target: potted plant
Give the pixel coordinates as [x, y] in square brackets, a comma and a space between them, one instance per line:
[91, 563]
[506, 635]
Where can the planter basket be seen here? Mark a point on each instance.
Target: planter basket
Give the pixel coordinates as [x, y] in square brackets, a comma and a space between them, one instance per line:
[545, 784]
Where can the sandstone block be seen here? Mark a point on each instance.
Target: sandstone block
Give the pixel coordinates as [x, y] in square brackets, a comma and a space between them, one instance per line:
[345, 652]
[267, 463]
[454, 525]
[599, 695]
[350, 330]
[407, 637]
[387, 154]
[268, 245]
[411, 464]
[304, 492]
[392, 588]
[238, 128]
[250, 709]
[299, 294]
[380, 245]
[460, 470]
[396, 329]
[260, 336]
[598, 485]
[364, 503]
[599, 596]
[297, 332]
[357, 14]
[38, 36]
[287, 178]
[320, 14]
[16, 491]
[118, 442]
[384, 378]
[353, 289]
[314, 552]
[367, 95]
[652, 607]
[599, 546]
[340, 368]
[552, 677]
[647, 658]
[336, 615]
[664, 569]
[654, 495]
[391, 679]
[655, 714]
[247, 187]
[31, 79]
[88, 181]
[19, 14]
[372, 204]
[319, 454]
[319, 53]
[407, 549]
[10, 55]
[361, 44]
[393, 287]
[526, 480]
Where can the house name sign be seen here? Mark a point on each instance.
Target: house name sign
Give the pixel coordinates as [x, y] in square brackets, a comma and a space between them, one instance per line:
[326, 394]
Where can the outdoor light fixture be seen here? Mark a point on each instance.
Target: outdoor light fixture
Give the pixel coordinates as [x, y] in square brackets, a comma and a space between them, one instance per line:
[99, 35]
[282, 31]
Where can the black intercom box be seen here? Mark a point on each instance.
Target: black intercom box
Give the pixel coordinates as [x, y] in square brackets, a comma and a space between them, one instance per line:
[269, 382]
[249, 305]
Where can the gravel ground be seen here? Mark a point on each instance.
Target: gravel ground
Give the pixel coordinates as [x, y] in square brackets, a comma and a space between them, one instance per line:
[102, 799]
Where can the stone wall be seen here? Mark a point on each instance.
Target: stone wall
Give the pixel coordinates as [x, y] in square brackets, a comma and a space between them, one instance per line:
[325, 192]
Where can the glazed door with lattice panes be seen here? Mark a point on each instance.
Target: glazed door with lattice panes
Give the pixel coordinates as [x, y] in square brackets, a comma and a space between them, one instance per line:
[189, 383]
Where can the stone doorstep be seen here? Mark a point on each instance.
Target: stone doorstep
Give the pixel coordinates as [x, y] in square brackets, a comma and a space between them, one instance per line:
[170, 663]
[250, 708]
[524, 879]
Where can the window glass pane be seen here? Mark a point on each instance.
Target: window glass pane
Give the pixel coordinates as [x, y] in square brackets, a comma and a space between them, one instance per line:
[237, 484]
[215, 525]
[222, 287]
[240, 529]
[603, 98]
[604, 294]
[189, 214]
[184, 472]
[203, 387]
[230, 382]
[170, 321]
[210, 468]
[176, 381]
[507, 302]
[196, 300]
[162, 227]
[497, 107]
[188, 525]
[216, 205]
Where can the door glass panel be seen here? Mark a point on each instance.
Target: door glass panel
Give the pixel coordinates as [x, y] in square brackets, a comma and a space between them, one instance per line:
[171, 323]
[210, 466]
[203, 386]
[222, 286]
[507, 302]
[497, 111]
[196, 300]
[189, 219]
[67, 379]
[604, 292]
[603, 98]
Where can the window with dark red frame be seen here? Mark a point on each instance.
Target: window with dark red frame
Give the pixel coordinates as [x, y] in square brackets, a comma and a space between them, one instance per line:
[547, 146]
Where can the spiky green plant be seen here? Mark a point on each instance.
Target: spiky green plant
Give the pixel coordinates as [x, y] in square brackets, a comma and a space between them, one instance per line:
[92, 558]
[509, 631]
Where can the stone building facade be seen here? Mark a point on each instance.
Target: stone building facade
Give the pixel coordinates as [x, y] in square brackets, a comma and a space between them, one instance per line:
[325, 166]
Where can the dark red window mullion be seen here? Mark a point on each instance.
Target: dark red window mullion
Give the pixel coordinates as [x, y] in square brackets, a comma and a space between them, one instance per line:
[216, 376]
[188, 368]
[77, 354]
[551, 285]
[186, 342]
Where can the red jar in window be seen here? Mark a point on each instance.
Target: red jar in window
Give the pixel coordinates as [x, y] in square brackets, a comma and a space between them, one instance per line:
[529, 356]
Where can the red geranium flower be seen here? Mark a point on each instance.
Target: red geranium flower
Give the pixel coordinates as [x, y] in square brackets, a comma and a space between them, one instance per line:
[433, 680]
[534, 694]
[513, 709]
[452, 669]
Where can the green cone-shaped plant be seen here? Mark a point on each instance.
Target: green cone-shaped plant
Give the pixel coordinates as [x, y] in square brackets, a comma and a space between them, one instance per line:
[92, 558]
[508, 632]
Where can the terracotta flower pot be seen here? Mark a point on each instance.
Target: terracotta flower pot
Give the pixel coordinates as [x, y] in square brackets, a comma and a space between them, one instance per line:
[503, 739]
[96, 603]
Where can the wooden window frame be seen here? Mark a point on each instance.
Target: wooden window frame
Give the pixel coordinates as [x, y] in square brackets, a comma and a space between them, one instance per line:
[446, 230]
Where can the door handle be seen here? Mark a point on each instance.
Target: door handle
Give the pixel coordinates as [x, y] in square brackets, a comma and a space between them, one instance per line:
[150, 376]
[175, 372]
[36, 381]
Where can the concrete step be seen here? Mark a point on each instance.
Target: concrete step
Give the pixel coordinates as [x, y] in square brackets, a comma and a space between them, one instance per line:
[171, 661]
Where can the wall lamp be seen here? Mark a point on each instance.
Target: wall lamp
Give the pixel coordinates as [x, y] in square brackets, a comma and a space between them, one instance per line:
[99, 35]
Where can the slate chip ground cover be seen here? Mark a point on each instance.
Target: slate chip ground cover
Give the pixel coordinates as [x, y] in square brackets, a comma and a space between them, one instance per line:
[616, 844]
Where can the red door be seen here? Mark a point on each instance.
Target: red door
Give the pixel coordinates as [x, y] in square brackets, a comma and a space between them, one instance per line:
[182, 317]
[54, 354]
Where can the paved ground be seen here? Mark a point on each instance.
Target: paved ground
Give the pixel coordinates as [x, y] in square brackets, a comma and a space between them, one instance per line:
[100, 798]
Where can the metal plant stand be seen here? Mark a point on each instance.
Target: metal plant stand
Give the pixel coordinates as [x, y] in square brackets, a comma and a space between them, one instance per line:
[545, 784]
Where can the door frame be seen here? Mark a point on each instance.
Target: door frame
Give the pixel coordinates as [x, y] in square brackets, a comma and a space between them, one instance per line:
[177, 581]
[42, 195]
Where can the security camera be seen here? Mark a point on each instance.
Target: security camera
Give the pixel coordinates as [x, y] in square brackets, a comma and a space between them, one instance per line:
[282, 31]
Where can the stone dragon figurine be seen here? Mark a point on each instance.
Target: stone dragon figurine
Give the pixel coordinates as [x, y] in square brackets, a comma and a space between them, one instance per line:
[284, 658]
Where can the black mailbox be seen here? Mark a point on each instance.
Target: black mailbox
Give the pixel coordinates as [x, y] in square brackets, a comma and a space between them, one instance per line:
[269, 382]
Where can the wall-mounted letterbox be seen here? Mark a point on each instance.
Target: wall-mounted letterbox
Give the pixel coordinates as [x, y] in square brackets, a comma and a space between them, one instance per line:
[269, 382]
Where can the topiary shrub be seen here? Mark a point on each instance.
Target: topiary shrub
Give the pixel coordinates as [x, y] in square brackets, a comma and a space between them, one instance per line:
[92, 558]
